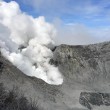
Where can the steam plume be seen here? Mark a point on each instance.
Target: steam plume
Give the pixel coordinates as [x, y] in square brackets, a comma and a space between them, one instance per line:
[27, 42]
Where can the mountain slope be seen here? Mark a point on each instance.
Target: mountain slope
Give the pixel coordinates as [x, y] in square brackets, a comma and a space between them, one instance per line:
[84, 68]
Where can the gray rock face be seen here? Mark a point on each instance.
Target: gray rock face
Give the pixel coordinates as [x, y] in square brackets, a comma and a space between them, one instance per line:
[84, 68]
[84, 64]
[88, 99]
[1, 66]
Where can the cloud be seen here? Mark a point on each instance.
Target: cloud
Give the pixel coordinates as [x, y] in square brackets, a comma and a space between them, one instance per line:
[80, 34]
[61, 8]
[102, 34]
[77, 34]
[27, 43]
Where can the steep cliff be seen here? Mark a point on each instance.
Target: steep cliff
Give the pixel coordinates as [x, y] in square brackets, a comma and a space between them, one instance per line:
[84, 63]
[84, 69]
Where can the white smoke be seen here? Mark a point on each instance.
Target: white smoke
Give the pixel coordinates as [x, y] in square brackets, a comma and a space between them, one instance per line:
[27, 43]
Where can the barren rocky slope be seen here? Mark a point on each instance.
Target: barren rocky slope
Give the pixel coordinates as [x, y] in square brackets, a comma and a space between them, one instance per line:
[84, 68]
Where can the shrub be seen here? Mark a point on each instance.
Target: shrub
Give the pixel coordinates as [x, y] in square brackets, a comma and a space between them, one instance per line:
[9, 100]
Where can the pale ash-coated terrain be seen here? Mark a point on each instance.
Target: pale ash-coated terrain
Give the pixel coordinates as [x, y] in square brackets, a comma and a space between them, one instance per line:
[85, 69]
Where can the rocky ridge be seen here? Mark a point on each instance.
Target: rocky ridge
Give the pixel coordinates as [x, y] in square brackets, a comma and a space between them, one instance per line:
[84, 69]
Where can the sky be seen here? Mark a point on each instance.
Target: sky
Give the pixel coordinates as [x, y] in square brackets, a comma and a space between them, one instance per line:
[90, 12]
[66, 14]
